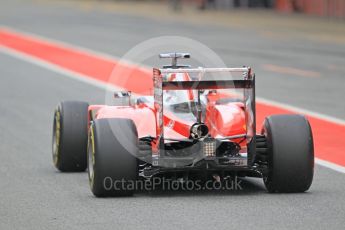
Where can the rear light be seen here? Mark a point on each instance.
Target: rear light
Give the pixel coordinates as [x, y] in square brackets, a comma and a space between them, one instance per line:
[209, 147]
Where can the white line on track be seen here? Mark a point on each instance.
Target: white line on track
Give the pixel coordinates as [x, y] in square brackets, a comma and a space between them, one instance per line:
[330, 165]
[102, 85]
[302, 111]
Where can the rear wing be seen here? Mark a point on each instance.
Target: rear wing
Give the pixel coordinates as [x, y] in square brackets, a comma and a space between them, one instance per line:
[206, 84]
[247, 84]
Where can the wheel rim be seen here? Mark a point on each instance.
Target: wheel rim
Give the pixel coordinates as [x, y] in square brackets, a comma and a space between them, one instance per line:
[56, 136]
[91, 157]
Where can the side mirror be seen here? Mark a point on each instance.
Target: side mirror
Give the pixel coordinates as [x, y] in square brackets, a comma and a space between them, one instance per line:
[121, 94]
[123, 98]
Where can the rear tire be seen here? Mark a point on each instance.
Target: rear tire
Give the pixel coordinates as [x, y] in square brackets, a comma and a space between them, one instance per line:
[290, 153]
[112, 165]
[70, 136]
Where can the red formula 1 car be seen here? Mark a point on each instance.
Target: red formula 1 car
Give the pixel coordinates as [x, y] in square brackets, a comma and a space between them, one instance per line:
[199, 123]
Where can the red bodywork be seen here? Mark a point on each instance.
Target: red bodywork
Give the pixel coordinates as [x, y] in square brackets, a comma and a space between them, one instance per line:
[226, 119]
[222, 120]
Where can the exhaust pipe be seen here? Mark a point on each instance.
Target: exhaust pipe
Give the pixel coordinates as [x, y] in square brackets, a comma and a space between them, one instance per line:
[198, 131]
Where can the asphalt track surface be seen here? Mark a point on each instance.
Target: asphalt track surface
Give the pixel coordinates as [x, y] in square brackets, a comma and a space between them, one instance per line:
[35, 196]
